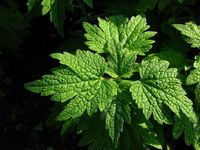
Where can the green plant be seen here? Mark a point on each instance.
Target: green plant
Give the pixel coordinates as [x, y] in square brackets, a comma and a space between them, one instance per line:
[120, 97]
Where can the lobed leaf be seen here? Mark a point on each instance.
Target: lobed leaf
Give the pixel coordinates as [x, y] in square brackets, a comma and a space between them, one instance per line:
[129, 34]
[79, 81]
[191, 33]
[159, 88]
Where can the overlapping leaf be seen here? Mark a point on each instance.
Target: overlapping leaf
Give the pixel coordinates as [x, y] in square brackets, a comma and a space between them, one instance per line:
[139, 134]
[95, 133]
[80, 81]
[159, 88]
[189, 127]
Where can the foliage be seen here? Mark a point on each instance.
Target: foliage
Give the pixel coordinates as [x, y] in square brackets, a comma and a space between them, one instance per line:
[120, 90]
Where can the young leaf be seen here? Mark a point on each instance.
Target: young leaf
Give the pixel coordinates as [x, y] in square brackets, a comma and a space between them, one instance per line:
[123, 39]
[122, 64]
[191, 33]
[80, 81]
[159, 88]
[119, 32]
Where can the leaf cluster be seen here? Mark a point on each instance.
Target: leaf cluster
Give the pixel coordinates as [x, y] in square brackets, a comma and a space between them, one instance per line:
[117, 99]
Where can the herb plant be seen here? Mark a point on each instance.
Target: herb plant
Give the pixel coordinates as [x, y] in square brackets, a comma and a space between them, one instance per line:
[118, 95]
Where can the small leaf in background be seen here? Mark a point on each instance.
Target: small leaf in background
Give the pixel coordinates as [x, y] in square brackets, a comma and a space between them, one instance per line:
[88, 2]
[191, 33]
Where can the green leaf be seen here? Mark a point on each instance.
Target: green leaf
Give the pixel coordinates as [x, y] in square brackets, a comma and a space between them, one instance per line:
[123, 39]
[118, 112]
[194, 76]
[88, 2]
[122, 64]
[189, 127]
[191, 33]
[176, 58]
[114, 122]
[57, 15]
[79, 81]
[119, 32]
[46, 6]
[159, 88]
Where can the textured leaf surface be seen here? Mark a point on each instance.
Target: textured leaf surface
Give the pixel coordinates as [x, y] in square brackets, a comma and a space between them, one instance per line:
[159, 88]
[118, 112]
[123, 39]
[79, 80]
[127, 34]
[191, 32]
[122, 64]
[114, 122]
